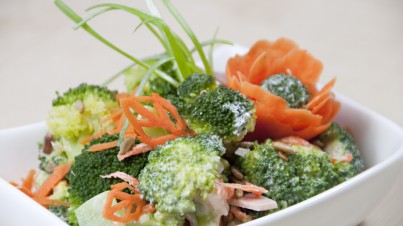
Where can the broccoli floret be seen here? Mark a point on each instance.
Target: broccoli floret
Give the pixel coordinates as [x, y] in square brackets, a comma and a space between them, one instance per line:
[82, 92]
[223, 112]
[180, 171]
[84, 177]
[80, 112]
[160, 219]
[60, 192]
[304, 174]
[289, 88]
[338, 143]
[160, 86]
[194, 85]
[60, 211]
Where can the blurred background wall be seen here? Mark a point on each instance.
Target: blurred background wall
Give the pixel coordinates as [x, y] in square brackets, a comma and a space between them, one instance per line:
[359, 42]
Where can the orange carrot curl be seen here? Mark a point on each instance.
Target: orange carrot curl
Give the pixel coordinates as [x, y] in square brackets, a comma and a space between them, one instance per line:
[164, 109]
[131, 205]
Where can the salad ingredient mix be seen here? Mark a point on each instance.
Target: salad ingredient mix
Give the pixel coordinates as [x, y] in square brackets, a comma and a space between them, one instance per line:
[180, 147]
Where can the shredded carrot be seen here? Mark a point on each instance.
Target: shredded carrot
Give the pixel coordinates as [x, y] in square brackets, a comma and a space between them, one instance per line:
[29, 181]
[346, 158]
[114, 116]
[26, 186]
[161, 119]
[102, 146]
[57, 175]
[41, 195]
[238, 214]
[14, 183]
[130, 204]
[120, 96]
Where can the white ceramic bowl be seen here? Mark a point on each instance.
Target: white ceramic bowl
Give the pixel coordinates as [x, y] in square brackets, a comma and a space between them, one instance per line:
[380, 142]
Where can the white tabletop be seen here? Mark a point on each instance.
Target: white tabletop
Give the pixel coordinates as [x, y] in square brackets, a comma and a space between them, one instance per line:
[359, 42]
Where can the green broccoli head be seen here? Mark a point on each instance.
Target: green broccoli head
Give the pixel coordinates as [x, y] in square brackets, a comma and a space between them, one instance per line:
[338, 143]
[289, 88]
[223, 112]
[194, 85]
[305, 174]
[80, 112]
[160, 86]
[82, 92]
[161, 219]
[65, 213]
[180, 171]
[85, 173]
[60, 211]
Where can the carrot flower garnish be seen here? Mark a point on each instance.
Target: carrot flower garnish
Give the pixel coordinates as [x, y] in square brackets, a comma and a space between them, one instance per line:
[275, 119]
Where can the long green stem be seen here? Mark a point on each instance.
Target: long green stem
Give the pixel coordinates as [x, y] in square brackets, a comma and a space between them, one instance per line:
[190, 33]
[115, 76]
[180, 57]
[211, 50]
[77, 19]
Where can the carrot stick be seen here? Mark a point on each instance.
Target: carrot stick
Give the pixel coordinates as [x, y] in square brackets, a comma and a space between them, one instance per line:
[238, 213]
[44, 201]
[103, 146]
[40, 195]
[29, 181]
[57, 175]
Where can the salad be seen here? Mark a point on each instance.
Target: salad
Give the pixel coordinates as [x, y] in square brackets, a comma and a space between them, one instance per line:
[181, 146]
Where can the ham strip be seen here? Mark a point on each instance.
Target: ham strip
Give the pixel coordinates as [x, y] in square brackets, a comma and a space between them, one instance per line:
[252, 202]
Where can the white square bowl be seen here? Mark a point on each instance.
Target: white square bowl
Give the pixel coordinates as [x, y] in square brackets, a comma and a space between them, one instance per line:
[379, 140]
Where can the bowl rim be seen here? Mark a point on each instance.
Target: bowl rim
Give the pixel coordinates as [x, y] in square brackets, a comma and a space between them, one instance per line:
[332, 192]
